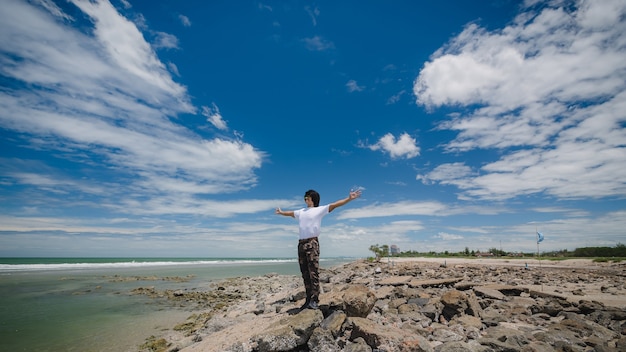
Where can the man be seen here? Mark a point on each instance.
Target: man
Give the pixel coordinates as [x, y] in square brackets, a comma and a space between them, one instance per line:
[310, 223]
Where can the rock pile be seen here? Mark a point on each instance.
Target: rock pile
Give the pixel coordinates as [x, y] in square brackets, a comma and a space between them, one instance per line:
[420, 307]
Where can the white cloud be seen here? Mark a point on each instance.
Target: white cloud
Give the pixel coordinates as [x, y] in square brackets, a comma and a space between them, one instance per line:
[54, 9]
[279, 237]
[318, 43]
[123, 44]
[417, 208]
[548, 92]
[353, 86]
[395, 209]
[449, 236]
[105, 100]
[186, 204]
[184, 20]
[396, 97]
[173, 68]
[263, 6]
[313, 12]
[404, 147]
[214, 117]
[165, 40]
[447, 173]
[469, 229]
[554, 55]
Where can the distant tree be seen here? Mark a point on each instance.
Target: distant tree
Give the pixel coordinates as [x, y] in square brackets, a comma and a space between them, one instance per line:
[379, 251]
[618, 251]
[374, 249]
[496, 252]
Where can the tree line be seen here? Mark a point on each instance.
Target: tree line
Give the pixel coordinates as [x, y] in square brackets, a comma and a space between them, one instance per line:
[618, 251]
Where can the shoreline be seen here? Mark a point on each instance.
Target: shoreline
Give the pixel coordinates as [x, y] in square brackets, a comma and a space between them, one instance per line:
[84, 305]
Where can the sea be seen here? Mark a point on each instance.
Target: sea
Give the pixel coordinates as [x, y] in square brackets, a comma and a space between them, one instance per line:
[85, 304]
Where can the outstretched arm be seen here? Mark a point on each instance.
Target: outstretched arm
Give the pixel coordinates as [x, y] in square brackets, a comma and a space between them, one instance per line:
[351, 196]
[285, 213]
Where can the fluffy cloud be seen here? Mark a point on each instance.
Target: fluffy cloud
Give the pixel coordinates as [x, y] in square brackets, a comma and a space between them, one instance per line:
[403, 147]
[548, 91]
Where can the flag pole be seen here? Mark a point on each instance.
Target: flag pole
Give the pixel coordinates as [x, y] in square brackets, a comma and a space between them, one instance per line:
[538, 240]
[537, 233]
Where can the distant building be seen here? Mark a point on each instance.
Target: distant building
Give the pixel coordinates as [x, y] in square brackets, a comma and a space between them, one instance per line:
[395, 249]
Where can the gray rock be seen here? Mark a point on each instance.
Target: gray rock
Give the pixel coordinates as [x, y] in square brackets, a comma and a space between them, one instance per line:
[468, 321]
[434, 282]
[358, 345]
[260, 308]
[334, 322]
[431, 312]
[455, 303]
[387, 337]
[290, 332]
[560, 338]
[446, 335]
[322, 340]
[459, 346]
[474, 307]
[420, 302]
[488, 292]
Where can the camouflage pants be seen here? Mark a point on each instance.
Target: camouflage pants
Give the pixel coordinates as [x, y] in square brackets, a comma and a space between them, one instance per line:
[309, 260]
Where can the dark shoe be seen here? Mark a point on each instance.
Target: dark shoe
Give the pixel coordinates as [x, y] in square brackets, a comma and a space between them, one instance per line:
[313, 305]
[306, 303]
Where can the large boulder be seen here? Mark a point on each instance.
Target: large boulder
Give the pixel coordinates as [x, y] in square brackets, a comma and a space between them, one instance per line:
[334, 322]
[455, 303]
[358, 301]
[324, 338]
[289, 333]
[322, 341]
[387, 338]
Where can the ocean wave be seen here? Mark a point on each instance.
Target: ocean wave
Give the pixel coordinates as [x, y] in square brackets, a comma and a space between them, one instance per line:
[135, 264]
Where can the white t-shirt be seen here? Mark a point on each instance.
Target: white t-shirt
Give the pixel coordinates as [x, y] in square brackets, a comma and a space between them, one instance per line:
[310, 220]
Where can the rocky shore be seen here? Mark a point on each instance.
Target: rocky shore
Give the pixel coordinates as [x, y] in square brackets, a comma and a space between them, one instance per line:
[410, 305]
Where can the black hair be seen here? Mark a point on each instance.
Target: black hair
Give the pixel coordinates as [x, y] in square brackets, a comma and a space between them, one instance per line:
[315, 197]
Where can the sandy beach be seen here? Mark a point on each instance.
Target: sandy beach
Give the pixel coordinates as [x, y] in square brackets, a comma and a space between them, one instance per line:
[566, 263]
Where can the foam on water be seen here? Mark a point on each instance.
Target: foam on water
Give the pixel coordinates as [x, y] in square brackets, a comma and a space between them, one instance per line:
[133, 264]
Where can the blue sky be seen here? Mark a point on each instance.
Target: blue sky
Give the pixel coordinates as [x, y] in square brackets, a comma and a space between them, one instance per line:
[175, 128]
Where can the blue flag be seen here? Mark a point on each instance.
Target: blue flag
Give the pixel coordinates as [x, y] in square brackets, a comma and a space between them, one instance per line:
[539, 237]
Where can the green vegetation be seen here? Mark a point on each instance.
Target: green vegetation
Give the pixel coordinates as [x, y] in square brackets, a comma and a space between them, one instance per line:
[600, 254]
[617, 251]
[380, 251]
